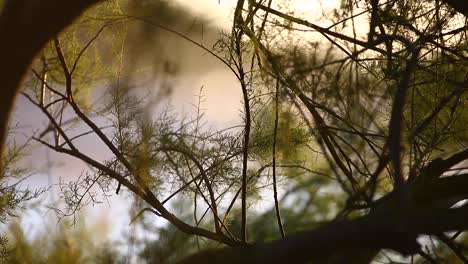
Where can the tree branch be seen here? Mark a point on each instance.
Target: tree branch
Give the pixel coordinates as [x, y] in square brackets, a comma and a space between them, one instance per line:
[25, 27]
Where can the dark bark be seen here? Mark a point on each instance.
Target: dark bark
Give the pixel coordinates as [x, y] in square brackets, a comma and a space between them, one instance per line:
[358, 241]
[460, 6]
[25, 27]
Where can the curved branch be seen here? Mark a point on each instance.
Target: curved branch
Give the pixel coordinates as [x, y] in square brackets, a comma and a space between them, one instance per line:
[25, 27]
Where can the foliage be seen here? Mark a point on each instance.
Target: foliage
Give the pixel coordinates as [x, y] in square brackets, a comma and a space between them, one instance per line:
[60, 244]
[13, 196]
[360, 130]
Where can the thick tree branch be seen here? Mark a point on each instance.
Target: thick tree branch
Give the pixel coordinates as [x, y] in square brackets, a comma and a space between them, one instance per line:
[395, 127]
[460, 6]
[388, 226]
[365, 234]
[238, 32]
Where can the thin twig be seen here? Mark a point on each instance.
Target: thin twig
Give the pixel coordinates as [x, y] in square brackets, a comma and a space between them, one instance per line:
[275, 135]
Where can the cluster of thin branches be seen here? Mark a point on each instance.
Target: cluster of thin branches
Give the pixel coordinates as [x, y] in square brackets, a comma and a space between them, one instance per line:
[378, 108]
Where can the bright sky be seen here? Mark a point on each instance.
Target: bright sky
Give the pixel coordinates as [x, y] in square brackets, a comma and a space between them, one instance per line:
[221, 10]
